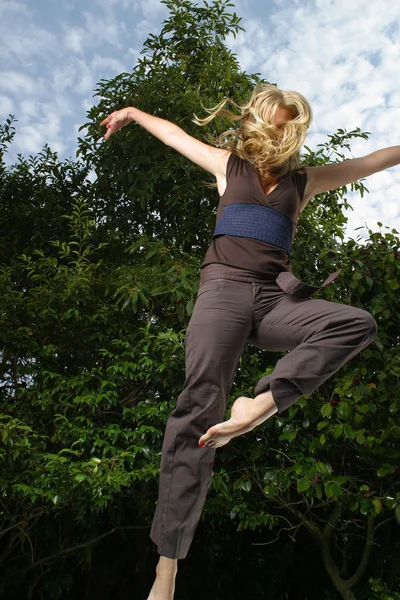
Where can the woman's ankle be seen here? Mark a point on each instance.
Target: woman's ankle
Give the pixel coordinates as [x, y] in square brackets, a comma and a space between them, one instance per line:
[167, 566]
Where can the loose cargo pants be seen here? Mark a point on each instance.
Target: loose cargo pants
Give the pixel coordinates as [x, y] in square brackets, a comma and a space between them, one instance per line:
[231, 310]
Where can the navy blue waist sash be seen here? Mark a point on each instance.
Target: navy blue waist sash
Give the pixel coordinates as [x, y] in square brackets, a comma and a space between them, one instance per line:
[256, 222]
[271, 226]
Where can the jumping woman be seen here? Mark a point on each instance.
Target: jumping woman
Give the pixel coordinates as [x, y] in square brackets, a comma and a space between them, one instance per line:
[248, 294]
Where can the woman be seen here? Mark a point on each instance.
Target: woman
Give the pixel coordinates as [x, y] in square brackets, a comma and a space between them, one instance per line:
[248, 293]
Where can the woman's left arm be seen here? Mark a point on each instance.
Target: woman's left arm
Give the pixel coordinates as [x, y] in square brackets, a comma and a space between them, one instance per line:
[330, 177]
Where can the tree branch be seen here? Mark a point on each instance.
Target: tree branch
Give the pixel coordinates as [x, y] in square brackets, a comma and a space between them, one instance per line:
[311, 527]
[366, 554]
[79, 546]
[296, 527]
[30, 542]
[331, 523]
[23, 522]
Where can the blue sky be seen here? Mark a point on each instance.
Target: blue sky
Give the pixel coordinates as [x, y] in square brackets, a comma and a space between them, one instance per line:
[343, 55]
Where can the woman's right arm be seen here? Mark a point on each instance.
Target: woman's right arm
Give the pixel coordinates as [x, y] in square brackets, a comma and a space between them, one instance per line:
[208, 157]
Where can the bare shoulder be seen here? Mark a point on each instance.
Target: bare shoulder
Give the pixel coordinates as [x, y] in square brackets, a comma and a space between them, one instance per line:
[208, 157]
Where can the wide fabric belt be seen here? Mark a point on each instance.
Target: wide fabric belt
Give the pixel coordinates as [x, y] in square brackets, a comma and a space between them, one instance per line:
[271, 226]
[256, 222]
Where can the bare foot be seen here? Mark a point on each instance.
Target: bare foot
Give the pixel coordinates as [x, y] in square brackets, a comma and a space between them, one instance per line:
[246, 414]
[164, 585]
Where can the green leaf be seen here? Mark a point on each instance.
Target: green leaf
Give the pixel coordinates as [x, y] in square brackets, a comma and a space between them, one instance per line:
[189, 307]
[326, 410]
[332, 490]
[338, 430]
[344, 410]
[321, 468]
[303, 484]
[378, 505]
[246, 485]
[360, 437]
[385, 470]
[81, 477]
[349, 432]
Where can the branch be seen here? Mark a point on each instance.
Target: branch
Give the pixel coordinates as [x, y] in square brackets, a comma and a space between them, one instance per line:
[23, 522]
[9, 547]
[30, 542]
[14, 374]
[331, 523]
[309, 525]
[283, 454]
[383, 523]
[366, 554]
[79, 546]
[16, 525]
[296, 527]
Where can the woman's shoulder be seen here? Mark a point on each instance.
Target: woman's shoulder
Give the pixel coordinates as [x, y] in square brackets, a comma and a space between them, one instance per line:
[299, 179]
[236, 164]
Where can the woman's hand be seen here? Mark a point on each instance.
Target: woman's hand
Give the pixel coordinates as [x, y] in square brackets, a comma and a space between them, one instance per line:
[116, 120]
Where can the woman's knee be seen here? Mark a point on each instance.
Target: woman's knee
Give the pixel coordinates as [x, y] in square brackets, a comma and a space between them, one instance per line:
[369, 325]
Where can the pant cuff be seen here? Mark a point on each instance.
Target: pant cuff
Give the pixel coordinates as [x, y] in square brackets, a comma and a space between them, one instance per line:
[171, 544]
[284, 392]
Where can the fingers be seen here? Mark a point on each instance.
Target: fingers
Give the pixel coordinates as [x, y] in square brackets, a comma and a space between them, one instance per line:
[108, 132]
[106, 120]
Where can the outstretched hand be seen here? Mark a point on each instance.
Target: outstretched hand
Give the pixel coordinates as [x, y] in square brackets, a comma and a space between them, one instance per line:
[115, 121]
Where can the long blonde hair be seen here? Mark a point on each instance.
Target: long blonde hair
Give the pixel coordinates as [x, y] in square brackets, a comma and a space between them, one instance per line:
[274, 151]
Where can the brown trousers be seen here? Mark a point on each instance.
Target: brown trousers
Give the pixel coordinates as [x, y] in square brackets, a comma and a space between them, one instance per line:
[234, 307]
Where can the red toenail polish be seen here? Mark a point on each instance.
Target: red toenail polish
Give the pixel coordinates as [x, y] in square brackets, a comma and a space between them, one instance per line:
[201, 444]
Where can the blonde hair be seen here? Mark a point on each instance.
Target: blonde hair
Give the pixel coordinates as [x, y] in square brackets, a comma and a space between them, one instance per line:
[273, 150]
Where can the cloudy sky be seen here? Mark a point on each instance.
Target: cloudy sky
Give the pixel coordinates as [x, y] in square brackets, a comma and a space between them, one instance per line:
[343, 55]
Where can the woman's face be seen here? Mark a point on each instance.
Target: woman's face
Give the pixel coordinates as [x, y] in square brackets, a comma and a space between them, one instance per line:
[282, 116]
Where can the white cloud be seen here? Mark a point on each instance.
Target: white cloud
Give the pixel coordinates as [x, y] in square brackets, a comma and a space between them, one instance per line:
[18, 83]
[343, 56]
[13, 6]
[27, 42]
[74, 39]
[6, 105]
[152, 9]
[30, 139]
[106, 63]
[30, 107]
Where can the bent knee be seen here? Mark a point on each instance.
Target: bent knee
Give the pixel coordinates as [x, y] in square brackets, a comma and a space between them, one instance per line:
[370, 325]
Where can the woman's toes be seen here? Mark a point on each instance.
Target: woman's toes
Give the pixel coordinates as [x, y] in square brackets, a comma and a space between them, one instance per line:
[207, 437]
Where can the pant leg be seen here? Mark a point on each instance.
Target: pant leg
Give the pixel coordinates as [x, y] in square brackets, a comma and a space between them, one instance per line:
[321, 336]
[217, 332]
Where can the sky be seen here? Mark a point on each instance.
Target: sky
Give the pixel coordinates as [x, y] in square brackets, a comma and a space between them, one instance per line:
[343, 55]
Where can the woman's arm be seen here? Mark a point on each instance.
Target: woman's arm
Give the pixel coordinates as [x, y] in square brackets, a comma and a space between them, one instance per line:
[208, 157]
[330, 177]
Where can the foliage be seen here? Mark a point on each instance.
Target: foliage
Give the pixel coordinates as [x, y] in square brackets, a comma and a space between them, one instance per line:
[382, 592]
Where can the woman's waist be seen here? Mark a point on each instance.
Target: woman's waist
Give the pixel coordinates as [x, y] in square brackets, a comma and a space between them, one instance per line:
[214, 271]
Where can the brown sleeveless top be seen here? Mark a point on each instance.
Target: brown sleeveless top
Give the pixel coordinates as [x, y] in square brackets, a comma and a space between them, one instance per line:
[243, 186]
